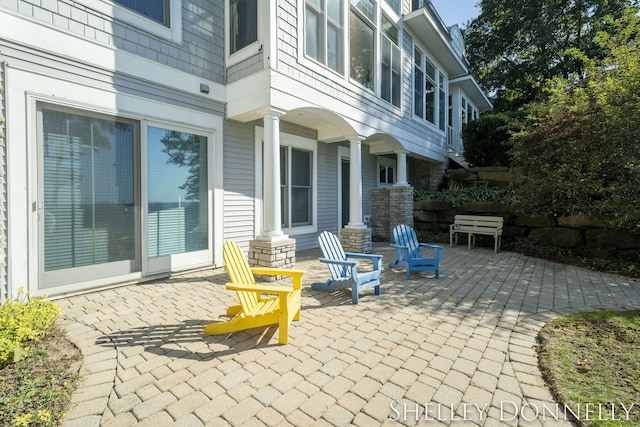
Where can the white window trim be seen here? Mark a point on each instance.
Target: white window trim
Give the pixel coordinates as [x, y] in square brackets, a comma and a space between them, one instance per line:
[251, 49]
[386, 162]
[172, 33]
[293, 141]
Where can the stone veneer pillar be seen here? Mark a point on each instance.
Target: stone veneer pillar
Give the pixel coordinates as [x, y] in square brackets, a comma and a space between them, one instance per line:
[356, 240]
[274, 254]
[400, 207]
[390, 206]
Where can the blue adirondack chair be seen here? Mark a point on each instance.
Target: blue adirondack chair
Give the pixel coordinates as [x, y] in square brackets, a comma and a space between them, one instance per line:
[344, 273]
[410, 255]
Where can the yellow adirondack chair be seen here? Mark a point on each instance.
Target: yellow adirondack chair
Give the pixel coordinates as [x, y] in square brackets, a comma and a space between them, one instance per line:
[256, 309]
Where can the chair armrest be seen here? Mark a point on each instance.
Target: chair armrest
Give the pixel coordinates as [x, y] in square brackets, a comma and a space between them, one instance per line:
[363, 256]
[428, 245]
[268, 271]
[260, 288]
[337, 261]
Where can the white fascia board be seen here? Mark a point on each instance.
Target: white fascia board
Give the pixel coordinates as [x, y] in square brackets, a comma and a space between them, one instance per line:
[289, 94]
[422, 25]
[38, 35]
[470, 87]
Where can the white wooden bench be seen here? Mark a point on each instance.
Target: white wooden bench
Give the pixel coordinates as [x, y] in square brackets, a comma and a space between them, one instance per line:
[475, 224]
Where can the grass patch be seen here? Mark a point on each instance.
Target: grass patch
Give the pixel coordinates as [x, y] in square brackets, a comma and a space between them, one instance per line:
[594, 358]
[36, 390]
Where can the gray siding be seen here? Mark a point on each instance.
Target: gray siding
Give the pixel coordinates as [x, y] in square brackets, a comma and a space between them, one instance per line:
[245, 68]
[65, 69]
[239, 183]
[201, 52]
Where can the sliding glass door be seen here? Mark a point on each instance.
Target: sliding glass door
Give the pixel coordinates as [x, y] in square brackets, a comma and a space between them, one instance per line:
[87, 208]
[178, 202]
[119, 199]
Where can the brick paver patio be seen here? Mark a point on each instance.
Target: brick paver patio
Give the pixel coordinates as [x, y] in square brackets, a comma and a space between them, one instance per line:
[459, 350]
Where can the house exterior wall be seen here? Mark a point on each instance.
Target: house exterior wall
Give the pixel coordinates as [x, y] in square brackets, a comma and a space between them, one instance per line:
[99, 57]
[199, 50]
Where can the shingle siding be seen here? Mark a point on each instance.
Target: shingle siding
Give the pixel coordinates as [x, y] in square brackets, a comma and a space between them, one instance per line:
[201, 52]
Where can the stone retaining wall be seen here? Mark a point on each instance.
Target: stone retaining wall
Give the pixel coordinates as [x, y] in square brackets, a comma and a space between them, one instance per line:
[592, 234]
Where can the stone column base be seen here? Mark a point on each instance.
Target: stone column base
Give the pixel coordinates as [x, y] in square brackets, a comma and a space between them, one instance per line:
[279, 254]
[356, 240]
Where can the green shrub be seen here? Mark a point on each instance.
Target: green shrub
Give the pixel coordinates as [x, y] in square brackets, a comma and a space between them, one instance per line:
[461, 195]
[486, 140]
[23, 319]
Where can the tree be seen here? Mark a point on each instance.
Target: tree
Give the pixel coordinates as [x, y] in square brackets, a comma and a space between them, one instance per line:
[485, 140]
[515, 46]
[579, 150]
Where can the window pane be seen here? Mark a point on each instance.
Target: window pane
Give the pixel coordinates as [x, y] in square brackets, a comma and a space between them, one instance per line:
[396, 79]
[158, 10]
[300, 167]
[312, 35]
[89, 190]
[361, 51]
[300, 206]
[418, 85]
[389, 29]
[394, 4]
[385, 80]
[334, 11]
[334, 48]
[177, 191]
[367, 8]
[382, 175]
[390, 178]
[244, 23]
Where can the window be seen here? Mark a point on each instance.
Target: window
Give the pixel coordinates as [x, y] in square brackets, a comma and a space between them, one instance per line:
[386, 171]
[463, 111]
[177, 211]
[324, 33]
[362, 42]
[395, 5]
[429, 91]
[390, 52]
[296, 187]
[244, 23]
[442, 101]
[418, 84]
[157, 10]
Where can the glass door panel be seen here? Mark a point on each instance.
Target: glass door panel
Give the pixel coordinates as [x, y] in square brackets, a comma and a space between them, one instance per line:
[178, 206]
[88, 218]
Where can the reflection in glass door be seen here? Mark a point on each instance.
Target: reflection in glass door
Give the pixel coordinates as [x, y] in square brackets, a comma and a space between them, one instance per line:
[177, 193]
[87, 217]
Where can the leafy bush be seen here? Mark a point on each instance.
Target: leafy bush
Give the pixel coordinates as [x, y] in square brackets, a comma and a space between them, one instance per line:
[23, 319]
[486, 140]
[461, 195]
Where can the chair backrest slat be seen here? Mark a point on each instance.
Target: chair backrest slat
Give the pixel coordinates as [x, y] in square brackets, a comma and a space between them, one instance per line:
[332, 249]
[240, 273]
[406, 236]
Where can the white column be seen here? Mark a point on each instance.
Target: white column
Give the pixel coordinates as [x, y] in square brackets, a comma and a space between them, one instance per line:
[401, 160]
[355, 184]
[272, 218]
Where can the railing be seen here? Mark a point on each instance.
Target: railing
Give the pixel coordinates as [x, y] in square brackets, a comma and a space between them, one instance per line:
[454, 140]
